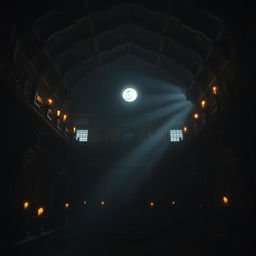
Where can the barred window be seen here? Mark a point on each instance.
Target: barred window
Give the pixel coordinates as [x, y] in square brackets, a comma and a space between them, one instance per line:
[82, 135]
[176, 135]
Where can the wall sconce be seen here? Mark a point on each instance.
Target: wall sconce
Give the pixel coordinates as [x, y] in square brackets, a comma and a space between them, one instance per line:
[214, 90]
[26, 205]
[50, 101]
[196, 116]
[58, 120]
[49, 114]
[38, 100]
[203, 104]
[40, 211]
[65, 118]
[225, 200]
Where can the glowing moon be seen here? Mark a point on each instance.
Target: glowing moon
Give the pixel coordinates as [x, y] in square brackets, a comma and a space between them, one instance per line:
[129, 94]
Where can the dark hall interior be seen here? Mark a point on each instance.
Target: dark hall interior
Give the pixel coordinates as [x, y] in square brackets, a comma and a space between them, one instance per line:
[128, 127]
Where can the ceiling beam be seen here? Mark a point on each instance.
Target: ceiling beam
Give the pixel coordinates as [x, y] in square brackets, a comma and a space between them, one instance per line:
[161, 34]
[95, 42]
[176, 65]
[165, 11]
[162, 41]
[173, 78]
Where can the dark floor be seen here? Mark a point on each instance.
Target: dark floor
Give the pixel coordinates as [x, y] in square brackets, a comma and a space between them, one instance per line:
[148, 235]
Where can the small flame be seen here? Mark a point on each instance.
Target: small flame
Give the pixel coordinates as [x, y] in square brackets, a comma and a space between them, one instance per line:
[74, 129]
[151, 204]
[67, 205]
[50, 101]
[65, 118]
[196, 116]
[214, 90]
[185, 129]
[203, 103]
[40, 211]
[26, 205]
[225, 199]
[58, 113]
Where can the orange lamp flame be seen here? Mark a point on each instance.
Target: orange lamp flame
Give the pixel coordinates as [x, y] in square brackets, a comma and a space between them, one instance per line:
[65, 118]
[203, 103]
[74, 129]
[214, 90]
[26, 205]
[66, 205]
[185, 129]
[40, 211]
[225, 200]
[196, 116]
[50, 101]
[58, 113]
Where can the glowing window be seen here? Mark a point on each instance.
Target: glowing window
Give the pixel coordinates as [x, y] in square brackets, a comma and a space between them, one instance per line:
[176, 135]
[82, 135]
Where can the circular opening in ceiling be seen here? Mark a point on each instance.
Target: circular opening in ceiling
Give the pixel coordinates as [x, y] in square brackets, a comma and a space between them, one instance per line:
[129, 94]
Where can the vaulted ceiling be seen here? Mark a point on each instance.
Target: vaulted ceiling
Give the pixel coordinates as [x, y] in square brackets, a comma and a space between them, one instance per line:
[177, 37]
